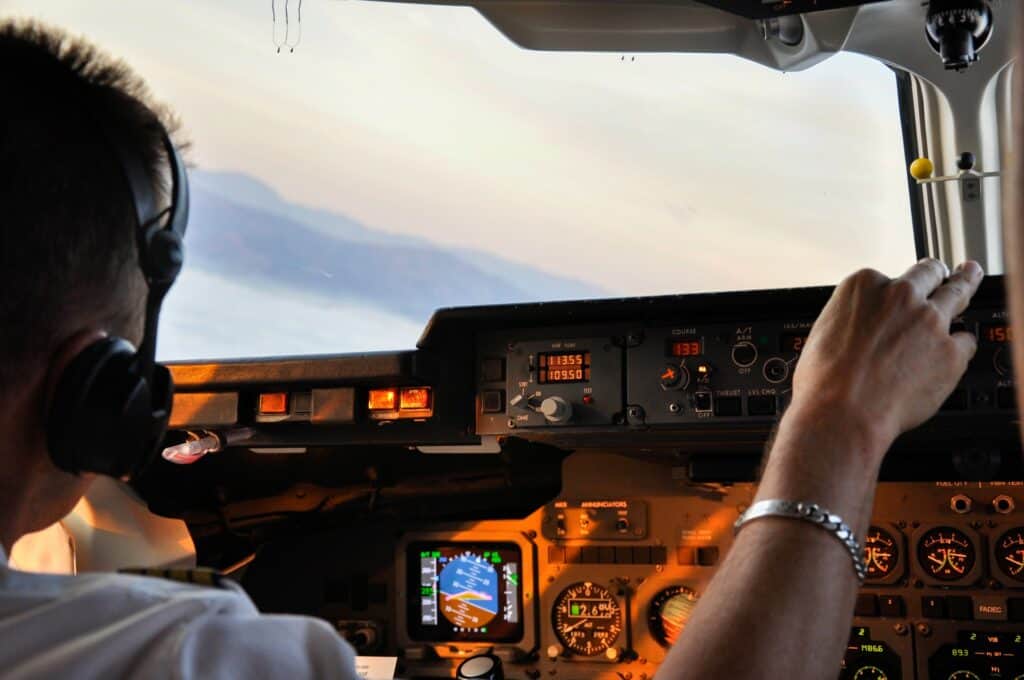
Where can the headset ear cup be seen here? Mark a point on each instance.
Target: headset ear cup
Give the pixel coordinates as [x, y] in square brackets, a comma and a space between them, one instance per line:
[101, 413]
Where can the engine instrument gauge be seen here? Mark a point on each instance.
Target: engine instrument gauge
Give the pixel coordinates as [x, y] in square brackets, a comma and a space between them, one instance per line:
[1009, 552]
[881, 553]
[870, 673]
[587, 618]
[946, 554]
[963, 675]
[670, 610]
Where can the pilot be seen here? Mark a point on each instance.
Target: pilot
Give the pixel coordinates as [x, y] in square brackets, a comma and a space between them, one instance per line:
[70, 275]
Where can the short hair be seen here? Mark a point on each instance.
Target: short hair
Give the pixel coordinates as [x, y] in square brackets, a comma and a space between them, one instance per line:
[68, 255]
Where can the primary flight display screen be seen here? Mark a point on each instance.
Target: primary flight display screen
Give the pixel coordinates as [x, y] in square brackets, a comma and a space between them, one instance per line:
[563, 367]
[465, 592]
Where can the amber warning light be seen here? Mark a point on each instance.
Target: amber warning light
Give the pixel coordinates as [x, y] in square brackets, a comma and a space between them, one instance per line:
[273, 403]
[405, 402]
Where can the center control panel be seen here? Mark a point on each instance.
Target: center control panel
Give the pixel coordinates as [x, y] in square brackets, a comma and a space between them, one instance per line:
[684, 374]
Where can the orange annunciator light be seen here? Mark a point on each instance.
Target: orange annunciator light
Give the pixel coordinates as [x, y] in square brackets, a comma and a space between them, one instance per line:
[414, 398]
[273, 403]
[383, 400]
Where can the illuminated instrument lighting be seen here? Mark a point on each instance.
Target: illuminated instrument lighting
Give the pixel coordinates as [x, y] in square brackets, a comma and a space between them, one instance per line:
[273, 403]
[383, 400]
[414, 398]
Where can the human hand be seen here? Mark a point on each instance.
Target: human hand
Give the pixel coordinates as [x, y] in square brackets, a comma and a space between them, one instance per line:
[880, 359]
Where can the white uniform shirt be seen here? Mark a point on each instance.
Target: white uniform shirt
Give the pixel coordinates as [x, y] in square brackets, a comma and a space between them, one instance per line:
[119, 626]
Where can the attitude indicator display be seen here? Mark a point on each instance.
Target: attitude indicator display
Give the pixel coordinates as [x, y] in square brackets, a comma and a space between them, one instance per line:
[465, 591]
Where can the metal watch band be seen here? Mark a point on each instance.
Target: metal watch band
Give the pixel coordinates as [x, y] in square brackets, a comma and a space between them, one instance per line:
[815, 514]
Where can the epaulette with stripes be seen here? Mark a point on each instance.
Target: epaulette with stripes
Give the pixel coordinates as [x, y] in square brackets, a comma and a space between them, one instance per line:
[202, 576]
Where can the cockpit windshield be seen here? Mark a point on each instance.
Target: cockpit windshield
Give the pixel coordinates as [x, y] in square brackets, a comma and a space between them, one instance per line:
[359, 164]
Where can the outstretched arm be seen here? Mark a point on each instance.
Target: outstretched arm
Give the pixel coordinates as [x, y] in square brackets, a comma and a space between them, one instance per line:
[879, 361]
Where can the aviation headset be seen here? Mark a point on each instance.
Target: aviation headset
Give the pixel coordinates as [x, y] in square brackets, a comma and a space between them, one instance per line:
[111, 405]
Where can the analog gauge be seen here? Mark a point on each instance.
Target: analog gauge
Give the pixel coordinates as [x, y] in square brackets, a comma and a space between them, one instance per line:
[670, 610]
[946, 554]
[587, 618]
[1010, 553]
[963, 675]
[870, 673]
[881, 552]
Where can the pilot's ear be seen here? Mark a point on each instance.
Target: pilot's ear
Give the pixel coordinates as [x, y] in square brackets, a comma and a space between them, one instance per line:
[63, 357]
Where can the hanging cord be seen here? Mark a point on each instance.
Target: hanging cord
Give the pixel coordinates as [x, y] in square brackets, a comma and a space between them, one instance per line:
[299, 24]
[273, 30]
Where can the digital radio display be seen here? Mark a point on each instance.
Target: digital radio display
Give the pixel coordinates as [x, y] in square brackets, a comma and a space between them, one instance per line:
[685, 347]
[792, 342]
[465, 591]
[999, 333]
[563, 367]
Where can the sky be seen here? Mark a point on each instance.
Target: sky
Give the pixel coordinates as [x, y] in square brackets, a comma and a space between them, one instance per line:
[647, 174]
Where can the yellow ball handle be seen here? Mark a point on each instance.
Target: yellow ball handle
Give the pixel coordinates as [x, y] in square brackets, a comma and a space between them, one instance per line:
[922, 169]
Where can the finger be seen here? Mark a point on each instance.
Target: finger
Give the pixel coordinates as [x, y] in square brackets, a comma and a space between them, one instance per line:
[952, 297]
[966, 345]
[925, 276]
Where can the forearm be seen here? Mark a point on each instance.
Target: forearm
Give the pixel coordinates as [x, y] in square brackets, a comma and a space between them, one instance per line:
[783, 599]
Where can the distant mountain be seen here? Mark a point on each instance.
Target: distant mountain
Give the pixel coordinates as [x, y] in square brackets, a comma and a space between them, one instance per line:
[243, 229]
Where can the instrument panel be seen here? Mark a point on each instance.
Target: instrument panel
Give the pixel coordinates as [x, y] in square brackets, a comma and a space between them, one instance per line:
[556, 485]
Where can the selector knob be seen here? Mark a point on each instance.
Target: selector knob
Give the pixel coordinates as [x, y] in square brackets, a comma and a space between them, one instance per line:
[556, 410]
[744, 354]
[1003, 361]
[674, 376]
[480, 667]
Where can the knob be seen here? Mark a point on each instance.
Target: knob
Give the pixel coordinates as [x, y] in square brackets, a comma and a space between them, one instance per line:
[613, 653]
[556, 410]
[776, 370]
[480, 667]
[744, 354]
[554, 651]
[1003, 361]
[673, 376]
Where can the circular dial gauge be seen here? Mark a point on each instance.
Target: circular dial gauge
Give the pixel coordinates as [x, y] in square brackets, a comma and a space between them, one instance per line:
[587, 618]
[670, 610]
[963, 675]
[870, 673]
[1010, 553]
[946, 553]
[881, 552]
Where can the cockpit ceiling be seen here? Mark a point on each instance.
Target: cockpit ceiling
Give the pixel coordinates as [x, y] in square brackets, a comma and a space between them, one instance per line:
[766, 9]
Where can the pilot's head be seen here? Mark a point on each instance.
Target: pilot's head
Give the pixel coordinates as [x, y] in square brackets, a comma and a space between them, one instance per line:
[69, 272]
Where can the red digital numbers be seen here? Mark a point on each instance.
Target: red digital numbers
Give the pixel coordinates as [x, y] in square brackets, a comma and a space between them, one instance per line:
[998, 333]
[689, 347]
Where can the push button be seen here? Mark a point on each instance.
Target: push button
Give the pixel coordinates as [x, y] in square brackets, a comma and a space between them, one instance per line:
[707, 556]
[990, 608]
[933, 607]
[492, 370]
[890, 605]
[1015, 609]
[761, 405]
[728, 406]
[867, 605]
[492, 401]
[686, 556]
[960, 608]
